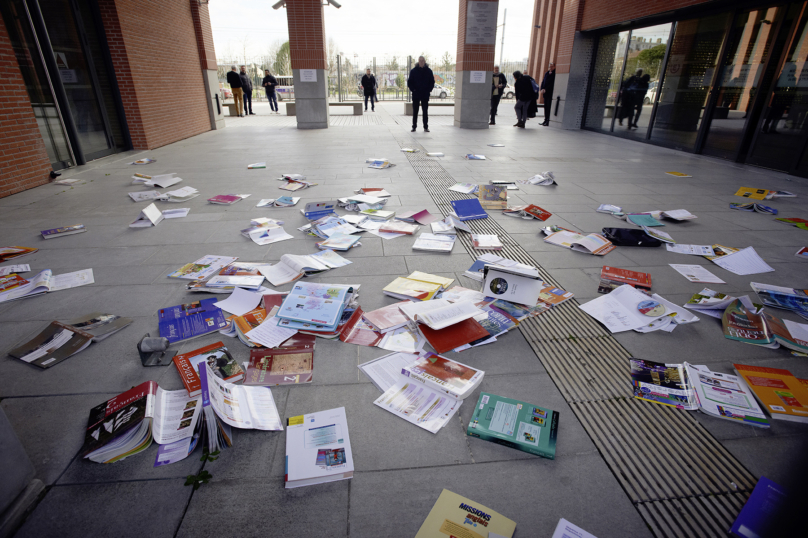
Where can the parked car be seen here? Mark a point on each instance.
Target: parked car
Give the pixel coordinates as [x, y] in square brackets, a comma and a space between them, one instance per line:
[440, 91]
[507, 92]
[651, 95]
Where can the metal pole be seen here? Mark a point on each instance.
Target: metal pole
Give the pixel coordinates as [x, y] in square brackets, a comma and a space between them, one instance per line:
[409, 68]
[339, 78]
[377, 80]
[502, 44]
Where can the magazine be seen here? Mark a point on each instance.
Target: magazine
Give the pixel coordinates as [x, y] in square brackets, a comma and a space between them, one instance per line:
[725, 396]
[666, 384]
[203, 268]
[454, 515]
[591, 244]
[781, 297]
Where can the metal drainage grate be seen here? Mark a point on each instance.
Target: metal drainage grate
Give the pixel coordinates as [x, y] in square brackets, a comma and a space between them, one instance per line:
[683, 482]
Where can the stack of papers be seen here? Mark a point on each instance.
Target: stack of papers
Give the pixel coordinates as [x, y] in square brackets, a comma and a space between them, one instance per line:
[310, 304]
[544, 178]
[743, 262]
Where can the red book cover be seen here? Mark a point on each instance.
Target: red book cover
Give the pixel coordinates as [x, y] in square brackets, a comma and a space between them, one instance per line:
[290, 364]
[223, 364]
[635, 279]
[538, 212]
[387, 317]
[11, 281]
[453, 336]
[224, 199]
[135, 405]
[358, 331]
[273, 299]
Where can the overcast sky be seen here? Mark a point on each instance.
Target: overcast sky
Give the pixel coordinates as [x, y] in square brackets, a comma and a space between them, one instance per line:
[365, 27]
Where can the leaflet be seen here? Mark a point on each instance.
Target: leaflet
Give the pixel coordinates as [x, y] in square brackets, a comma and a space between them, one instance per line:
[743, 262]
[385, 371]
[696, 273]
[243, 406]
[698, 250]
[618, 310]
[418, 405]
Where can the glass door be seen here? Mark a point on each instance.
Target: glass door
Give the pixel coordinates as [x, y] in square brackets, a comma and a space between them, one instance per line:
[606, 79]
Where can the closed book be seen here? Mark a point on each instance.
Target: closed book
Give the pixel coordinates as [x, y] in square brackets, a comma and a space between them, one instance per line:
[613, 277]
[222, 363]
[537, 212]
[404, 288]
[456, 335]
[784, 396]
[225, 199]
[65, 230]
[444, 375]
[318, 449]
[469, 209]
[290, 364]
[486, 242]
[386, 318]
[358, 331]
[132, 410]
[515, 424]
[493, 196]
[454, 515]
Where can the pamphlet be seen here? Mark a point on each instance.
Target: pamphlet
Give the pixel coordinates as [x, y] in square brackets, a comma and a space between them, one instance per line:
[418, 405]
[666, 384]
[385, 371]
[318, 449]
[725, 396]
[457, 516]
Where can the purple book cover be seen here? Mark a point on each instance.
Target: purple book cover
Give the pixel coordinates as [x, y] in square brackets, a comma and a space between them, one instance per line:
[64, 229]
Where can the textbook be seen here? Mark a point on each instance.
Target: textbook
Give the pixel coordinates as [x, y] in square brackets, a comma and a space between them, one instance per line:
[612, 278]
[397, 227]
[387, 318]
[340, 242]
[725, 396]
[465, 188]
[528, 212]
[543, 178]
[202, 268]
[486, 242]
[291, 267]
[454, 336]
[237, 274]
[761, 328]
[591, 244]
[163, 180]
[418, 405]
[44, 281]
[421, 217]
[290, 364]
[434, 242]
[782, 394]
[378, 214]
[454, 515]
[758, 517]
[755, 194]
[225, 199]
[515, 424]
[66, 230]
[757, 208]
[358, 331]
[216, 356]
[404, 288]
[781, 297]
[469, 209]
[10, 253]
[316, 210]
[493, 196]
[315, 303]
[443, 375]
[318, 449]
[513, 284]
[666, 384]
[440, 313]
[149, 216]
[190, 320]
[472, 157]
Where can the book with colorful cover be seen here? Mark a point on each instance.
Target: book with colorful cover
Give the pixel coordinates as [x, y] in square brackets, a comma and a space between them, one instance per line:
[318, 449]
[222, 363]
[398, 227]
[755, 194]
[443, 375]
[784, 396]
[725, 396]
[454, 515]
[469, 209]
[405, 288]
[55, 343]
[515, 424]
[65, 230]
[358, 331]
[225, 199]
[799, 223]
[454, 336]
[190, 320]
[10, 282]
[387, 318]
[290, 364]
[759, 516]
[493, 196]
[203, 268]
[554, 296]
[10, 253]
[613, 277]
[662, 383]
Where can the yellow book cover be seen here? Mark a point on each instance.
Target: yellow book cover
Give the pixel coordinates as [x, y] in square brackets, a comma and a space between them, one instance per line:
[678, 174]
[457, 516]
[432, 279]
[782, 394]
[416, 289]
[755, 194]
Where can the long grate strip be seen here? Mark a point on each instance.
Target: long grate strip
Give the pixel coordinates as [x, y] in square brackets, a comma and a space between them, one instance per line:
[683, 482]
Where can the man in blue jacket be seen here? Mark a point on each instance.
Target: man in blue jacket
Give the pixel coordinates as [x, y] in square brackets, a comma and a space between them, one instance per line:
[420, 83]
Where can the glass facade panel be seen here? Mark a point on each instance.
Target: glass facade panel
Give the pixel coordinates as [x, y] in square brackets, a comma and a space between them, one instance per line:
[605, 86]
[691, 66]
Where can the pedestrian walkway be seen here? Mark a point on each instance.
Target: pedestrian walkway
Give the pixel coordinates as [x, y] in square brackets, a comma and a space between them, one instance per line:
[623, 467]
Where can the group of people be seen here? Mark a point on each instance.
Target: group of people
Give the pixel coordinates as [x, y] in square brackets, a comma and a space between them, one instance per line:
[632, 98]
[527, 92]
[242, 88]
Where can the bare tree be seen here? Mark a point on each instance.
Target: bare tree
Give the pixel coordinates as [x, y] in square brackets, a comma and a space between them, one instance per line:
[245, 44]
[446, 61]
[332, 51]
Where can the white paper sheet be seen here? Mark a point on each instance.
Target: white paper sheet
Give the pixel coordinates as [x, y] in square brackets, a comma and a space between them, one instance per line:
[565, 529]
[385, 371]
[8, 269]
[268, 334]
[618, 310]
[240, 302]
[698, 250]
[265, 236]
[743, 262]
[696, 273]
[418, 405]
[178, 213]
[171, 412]
[403, 339]
[72, 280]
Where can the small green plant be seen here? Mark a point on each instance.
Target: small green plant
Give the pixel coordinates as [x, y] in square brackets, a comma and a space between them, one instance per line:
[197, 480]
[209, 456]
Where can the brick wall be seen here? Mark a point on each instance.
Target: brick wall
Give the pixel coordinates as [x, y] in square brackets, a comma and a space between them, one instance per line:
[156, 56]
[306, 34]
[548, 15]
[204, 35]
[24, 160]
[600, 13]
[472, 57]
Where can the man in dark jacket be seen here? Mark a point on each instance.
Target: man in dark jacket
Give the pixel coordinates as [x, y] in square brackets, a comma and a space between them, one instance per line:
[235, 86]
[420, 83]
[523, 88]
[369, 87]
[546, 91]
[246, 87]
[269, 84]
[498, 83]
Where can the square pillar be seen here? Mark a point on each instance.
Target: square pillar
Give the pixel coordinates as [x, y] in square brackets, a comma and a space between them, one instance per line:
[476, 42]
[307, 51]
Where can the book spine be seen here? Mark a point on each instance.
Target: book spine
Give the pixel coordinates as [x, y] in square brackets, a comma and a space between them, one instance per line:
[187, 374]
[494, 438]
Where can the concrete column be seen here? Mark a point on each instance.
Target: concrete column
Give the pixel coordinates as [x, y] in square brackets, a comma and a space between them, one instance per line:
[309, 64]
[476, 42]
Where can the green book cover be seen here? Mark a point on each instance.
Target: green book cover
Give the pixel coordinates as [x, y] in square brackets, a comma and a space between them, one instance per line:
[515, 424]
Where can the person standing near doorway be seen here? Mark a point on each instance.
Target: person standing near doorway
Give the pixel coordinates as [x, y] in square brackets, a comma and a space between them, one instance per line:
[498, 83]
[523, 88]
[246, 87]
[269, 84]
[420, 83]
[627, 92]
[639, 98]
[546, 92]
[235, 86]
[369, 87]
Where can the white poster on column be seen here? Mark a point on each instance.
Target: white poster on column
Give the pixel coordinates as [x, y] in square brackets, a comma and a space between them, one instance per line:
[477, 77]
[481, 23]
[308, 75]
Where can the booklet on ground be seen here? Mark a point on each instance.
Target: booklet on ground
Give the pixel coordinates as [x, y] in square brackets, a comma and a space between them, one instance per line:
[454, 515]
[591, 244]
[760, 513]
[512, 284]
[663, 383]
[290, 364]
[216, 355]
[725, 396]
[784, 396]
[202, 268]
[190, 320]
[318, 449]
[418, 405]
[385, 371]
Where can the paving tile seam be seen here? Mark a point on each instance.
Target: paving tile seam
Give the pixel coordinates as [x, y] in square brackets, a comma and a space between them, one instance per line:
[618, 449]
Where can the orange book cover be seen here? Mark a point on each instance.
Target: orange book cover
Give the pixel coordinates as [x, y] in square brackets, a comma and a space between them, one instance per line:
[216, 355]
[785, 396]
[453, 336]
[635, 279]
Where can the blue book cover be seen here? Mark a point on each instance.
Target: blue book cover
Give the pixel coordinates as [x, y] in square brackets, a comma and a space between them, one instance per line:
[477, 267]
[314, 305]
[190, 320]
[469, 209]
[758, 514]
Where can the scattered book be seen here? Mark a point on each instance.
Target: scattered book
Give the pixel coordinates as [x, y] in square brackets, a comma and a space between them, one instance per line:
[454, 379]
[465, 188]
[757, 208]
[755, 194]
[256, 166]
[697, 250]
[318, 449]
[496, 145]
[421, 217]
[763, 329]
[665, 384]
[163, 181]
[799, 223]
[397, 227]
[378, 164]
[144, 161]
[378, 214]
[417, 286]
[225, 199]
[610, 209]
[642, 219]
[678, 174]
[493, 196]
[454, 336]
[450, 225]
[554, 296]
[242, 274]
[190, 320]
[472, 157]
[149, 216]
[515, 424]
[357, 331]
[291, 267]
[340, 242]
[528, 212]
[781, 297]
[374, 191]
[758, 517]
[8, 269]
[469, 209]
[269, 235]
[69, 182]
[454, 515]
[221, 362]
[44, 281]
[725, 396]
[178, 213]
[709, 302]
[203, 268]
[544, 179]
[565, 529]
[517, 284]
[239, 406]
[802, 253]
[146, 196]
[180, 195]
[591, 244]
[66, 230]
[625, 309]
[612, 278]
[782, 394]
[295, 185]
[418, 405]
[434, 242]
[743, 262]
[486, 242]
[290, 364]
[435, 154]
[387, 318]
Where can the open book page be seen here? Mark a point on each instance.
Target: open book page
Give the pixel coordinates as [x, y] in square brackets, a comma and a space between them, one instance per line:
[404, 339]
[72, 280]
[418, 405]
[280, 274]
[175, 415]
[663, 383]
[412, 309]
[725, 396]
[38, 284]
[593, 243]
[744, 262]
[243, 406]
[385, 371]
[303, 264]
[618, 310]
[439, 318]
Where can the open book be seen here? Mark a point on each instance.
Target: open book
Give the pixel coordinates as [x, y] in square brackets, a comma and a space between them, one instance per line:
[725, 396]
[591, 244]
[44, 282]
[291, 267]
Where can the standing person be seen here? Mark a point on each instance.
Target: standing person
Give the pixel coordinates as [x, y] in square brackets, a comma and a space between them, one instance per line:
[546, 91]
[639, 98]
[420, 83]
[235, 86]
[269, 84]
[369, 87]
[523, 88]
[246, 87]
[498, 83]
[627, 97]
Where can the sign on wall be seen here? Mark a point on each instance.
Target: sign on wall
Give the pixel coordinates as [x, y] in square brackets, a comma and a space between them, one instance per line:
[308, 75]
[477, 77]
[481, 23]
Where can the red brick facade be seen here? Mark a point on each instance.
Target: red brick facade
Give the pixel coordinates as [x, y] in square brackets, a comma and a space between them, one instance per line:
[204, 35]
[24, 160]
[548, 15]
[600, 13]
[306, 34]
[472, 57]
